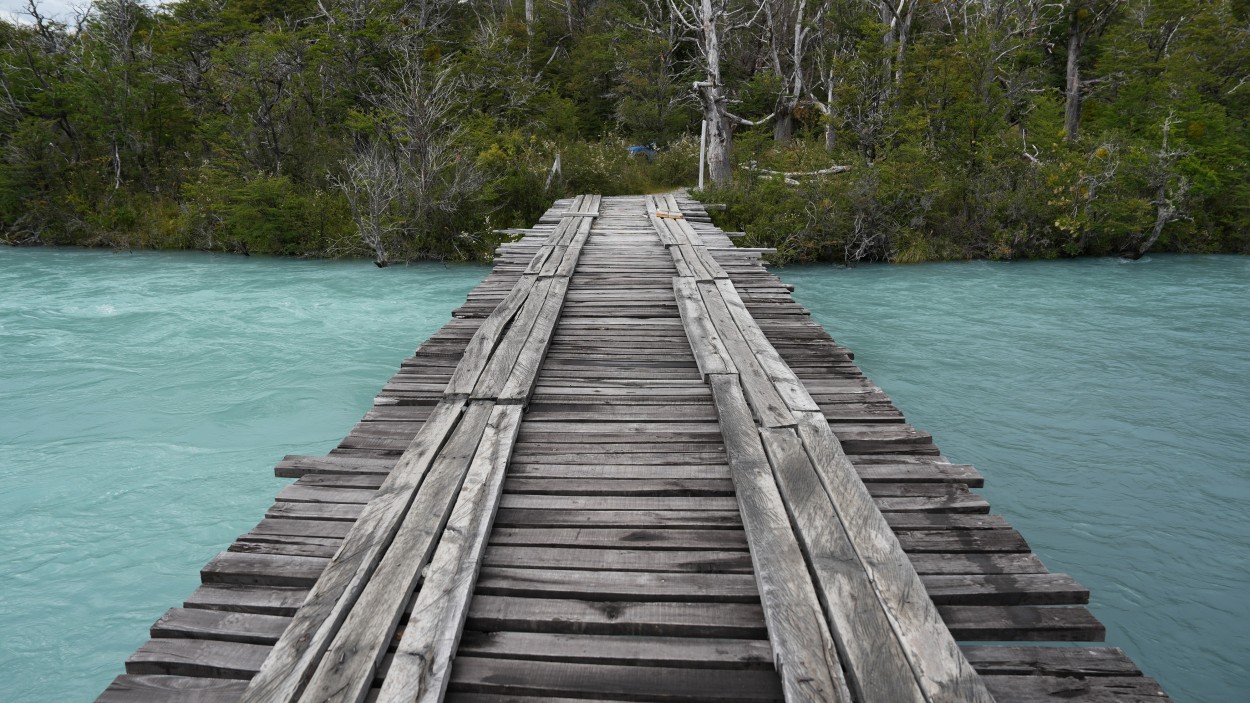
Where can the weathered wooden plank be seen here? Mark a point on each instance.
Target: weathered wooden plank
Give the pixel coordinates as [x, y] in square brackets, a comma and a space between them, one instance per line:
[303, 528]
[617, 585]
[478, 351]
[622, 472]
[953, 564]
[943, 673]
[191, 623]
[698, 271]
[802, 644]
[1049, 661]
[522, 517]
[1005, 589]
[265, 600]
[635, 683]
[955, 540]
[716, 653]
[129, 688]
[263, 569]
[709, 350]
[500, 366]
[419, 670]
[211, 658]
[521, 500]
[658, 619]
[765, 402]
[1095, 689]
[621, 538]
[295, 466]
[284, 673]
[652, 560]
[1022, 623]
[346, 670]
[876, 663]
[520, 381]
[606, 485]
[787, 384]
[921, 473]
[569, 263]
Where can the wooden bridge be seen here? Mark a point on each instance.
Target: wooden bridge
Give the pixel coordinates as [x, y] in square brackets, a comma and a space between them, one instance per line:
[630, 469]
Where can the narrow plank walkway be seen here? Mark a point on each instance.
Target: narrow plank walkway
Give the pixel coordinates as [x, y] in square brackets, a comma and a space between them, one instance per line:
[631, 468]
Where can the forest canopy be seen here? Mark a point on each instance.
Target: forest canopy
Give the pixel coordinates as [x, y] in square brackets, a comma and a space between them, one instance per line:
[844, 130]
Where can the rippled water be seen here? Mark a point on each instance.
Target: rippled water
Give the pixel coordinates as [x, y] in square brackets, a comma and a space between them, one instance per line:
[1108, 406]
[144, 399]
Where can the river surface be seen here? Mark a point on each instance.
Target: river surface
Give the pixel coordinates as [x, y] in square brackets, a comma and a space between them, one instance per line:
[1108, 406]
[144, 399]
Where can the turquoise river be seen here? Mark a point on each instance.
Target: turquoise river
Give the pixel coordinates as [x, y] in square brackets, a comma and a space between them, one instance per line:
[144, 399]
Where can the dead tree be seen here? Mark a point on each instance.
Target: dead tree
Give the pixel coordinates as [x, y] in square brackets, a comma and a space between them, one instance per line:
[789, 30]
[710, 21]
[1170, 189]
[896, 15]
[372, 184]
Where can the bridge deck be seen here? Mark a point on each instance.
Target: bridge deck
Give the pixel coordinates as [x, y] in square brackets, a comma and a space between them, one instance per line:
[631, 468]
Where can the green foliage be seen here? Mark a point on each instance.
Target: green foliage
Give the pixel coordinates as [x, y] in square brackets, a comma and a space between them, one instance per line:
[233, 126]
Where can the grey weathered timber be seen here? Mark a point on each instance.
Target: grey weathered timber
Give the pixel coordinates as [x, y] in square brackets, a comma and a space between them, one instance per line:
[899, 631]
[288, 668]
[419, 671]
[520, 382]
[802, 645]
[787, 384]
[348, 667]
[709, 349]
[631, 467]
[346, 670]
[484, 340]
[876, 664]
[505, 355]
[938, 664]
[762, 395]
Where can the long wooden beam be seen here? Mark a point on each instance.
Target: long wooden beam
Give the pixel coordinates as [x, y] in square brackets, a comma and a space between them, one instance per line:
[891, 638]
[336, 640]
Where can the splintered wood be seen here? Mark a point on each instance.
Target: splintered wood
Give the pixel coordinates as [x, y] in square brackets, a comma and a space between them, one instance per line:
[630, 469]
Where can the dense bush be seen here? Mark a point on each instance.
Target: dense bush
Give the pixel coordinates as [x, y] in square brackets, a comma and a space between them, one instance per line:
[349, 129]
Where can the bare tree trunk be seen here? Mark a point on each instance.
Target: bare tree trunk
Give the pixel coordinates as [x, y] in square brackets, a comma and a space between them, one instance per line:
[1164, 214]
[887, 39]
[1168, 201]
[719, 137]
[712, 95]
[903, 32]
[529, 17]
[783, 24]
[783, 127]
[1072, 108]
[372, 184]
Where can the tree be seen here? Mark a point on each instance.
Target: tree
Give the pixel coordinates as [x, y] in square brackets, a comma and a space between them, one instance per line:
[790, 31]
[1170, 189]
[373, 185]
[1087, 19]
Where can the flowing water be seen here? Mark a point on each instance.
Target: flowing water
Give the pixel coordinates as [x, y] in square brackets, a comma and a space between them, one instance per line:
[144, 399]
[1108, 406]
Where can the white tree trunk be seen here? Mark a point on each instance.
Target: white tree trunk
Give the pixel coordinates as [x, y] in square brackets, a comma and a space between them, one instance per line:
[712, 97]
